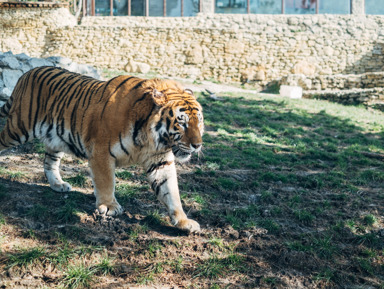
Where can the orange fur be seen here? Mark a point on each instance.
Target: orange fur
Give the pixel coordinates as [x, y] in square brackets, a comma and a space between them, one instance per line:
[121, 121]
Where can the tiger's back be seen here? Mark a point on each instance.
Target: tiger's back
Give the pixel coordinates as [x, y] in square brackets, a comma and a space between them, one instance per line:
[63, 108]
[120, 121]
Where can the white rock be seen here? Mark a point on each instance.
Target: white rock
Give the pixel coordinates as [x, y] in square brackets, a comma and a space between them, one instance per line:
[291, 91]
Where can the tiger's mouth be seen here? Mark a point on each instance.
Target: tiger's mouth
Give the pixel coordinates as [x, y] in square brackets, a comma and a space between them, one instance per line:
[181, 154]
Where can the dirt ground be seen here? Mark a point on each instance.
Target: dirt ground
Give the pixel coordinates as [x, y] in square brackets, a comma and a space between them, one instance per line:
[147, 252]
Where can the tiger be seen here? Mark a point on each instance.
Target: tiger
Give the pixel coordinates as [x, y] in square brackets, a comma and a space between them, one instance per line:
[123, 121]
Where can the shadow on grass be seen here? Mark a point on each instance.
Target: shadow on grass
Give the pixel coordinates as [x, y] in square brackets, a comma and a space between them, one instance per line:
[298, 169]
[286, 183]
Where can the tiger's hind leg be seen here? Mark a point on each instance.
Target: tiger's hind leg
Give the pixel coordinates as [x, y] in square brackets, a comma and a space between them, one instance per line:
[52, 171]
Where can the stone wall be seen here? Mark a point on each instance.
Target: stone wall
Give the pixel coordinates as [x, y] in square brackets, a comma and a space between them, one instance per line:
[257, 49]
[24, 30]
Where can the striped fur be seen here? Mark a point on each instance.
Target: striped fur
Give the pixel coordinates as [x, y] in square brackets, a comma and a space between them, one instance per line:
[111, 123]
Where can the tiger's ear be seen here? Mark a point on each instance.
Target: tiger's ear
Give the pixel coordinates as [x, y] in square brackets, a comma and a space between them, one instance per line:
[158, 97]
[187, 90]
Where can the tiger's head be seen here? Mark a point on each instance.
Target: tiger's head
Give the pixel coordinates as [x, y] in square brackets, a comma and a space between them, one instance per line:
[180, 125]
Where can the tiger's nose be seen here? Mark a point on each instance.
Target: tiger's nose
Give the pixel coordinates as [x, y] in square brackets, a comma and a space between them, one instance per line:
[196, 146]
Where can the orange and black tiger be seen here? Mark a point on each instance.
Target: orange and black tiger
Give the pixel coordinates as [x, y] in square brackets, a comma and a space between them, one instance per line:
[111, 123]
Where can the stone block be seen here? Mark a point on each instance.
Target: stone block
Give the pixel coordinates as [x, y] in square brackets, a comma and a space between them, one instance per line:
[10, 77]
[37, 62]
[9, 61]
[5, 93]
[143, 67]
[291, 91]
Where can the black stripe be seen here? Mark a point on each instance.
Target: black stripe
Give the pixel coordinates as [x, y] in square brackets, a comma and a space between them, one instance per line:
[139, 124]
[24, 130]
[140, 99]
[159, 125]
[13, 136]
[61, 103]
[89, 94]
[138, 84]
[105, 87]
[168, 123]
[157, 186]
[122, 83]
[35, 72]
[164, 139]
[3, 144]
[122, 146]
[52, 157]
[154, 167]
[38, 97]
[110, 152]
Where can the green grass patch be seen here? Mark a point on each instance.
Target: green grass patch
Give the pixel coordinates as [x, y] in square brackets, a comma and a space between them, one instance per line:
[38, 212]
[124, 175]
[216, 267]
[25, 257]
[80, 180]
[154, 219]
[105, 267]
[127, 192]
[68, 212]
[243, 217]
[2, 220]
[12, 175]
[78, 276]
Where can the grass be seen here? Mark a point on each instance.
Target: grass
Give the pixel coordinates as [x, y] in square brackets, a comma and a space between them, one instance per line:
[80, 180]
[67, 212]
[105, 267]
[215, 267]
[281, 186]
[38, 212]
[25, 257]
[128, 191]
[12, 175]
[78, 276]
[125, 175]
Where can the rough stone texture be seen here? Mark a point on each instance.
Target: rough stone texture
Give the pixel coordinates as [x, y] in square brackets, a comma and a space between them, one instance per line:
[253, 49]
[367, 96]
[12, 67]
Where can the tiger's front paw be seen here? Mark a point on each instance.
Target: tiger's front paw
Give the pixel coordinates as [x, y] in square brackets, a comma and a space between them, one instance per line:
[113, 209]
[61, 187]
[189, 225]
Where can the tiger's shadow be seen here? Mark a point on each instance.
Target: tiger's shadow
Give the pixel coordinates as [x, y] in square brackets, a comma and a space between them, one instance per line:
[41, 213]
